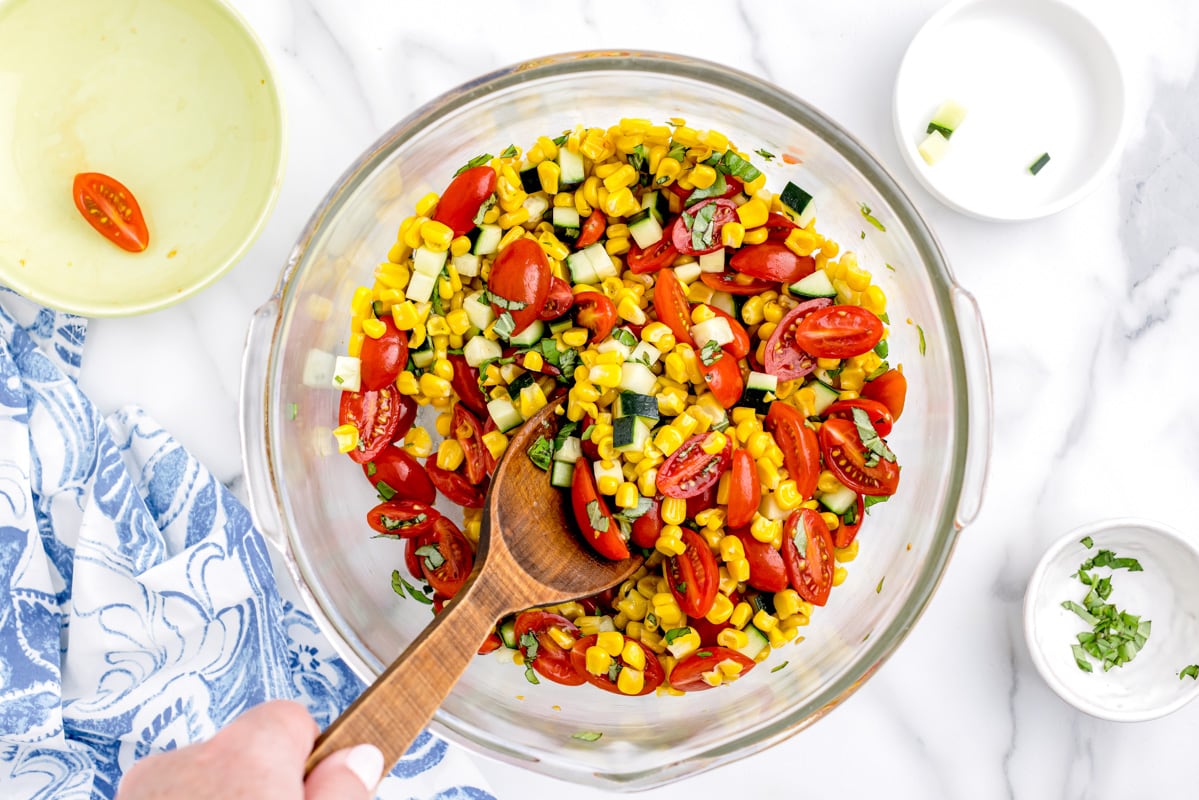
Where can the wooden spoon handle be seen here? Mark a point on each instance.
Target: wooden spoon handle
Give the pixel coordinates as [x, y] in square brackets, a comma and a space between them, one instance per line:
[393, 710]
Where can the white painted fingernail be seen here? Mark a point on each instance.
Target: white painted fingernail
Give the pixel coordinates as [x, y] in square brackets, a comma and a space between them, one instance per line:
[366, 761]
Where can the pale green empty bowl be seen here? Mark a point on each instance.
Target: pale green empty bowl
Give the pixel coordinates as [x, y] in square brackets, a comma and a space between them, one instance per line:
[174, 99]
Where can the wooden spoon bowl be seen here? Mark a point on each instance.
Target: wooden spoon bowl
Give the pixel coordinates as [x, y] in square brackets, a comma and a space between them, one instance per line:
[528, 555]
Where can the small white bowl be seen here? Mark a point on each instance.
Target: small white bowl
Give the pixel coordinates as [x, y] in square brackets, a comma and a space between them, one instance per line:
[1165, 593]
[1035, 76]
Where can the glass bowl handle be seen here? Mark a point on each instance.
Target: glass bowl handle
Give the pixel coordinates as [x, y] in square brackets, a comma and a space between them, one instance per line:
[979, 405]
[255, 357]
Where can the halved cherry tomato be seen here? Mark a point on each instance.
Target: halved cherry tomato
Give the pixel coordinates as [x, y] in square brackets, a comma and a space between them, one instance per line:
[520, 275]
[112, 210]
[880, 415]
[845, 455]
[402, 518]
[549, 660]
[466, 429]
[593, 229]
[694, 576]
[745, 490]
[595, 521]
[447, 575]
[723, 377]
[682, 232]
[688, 674]
[847, 531]
[810, 572]
[772, 261]
[672, 307]
[596, 313]
[454, 486]
[402, 473]
[407, 414]
[689, 470]
[767, 572]
[490, 644]
[890, 389]
[735, 283]
[778, 227]
[785, 359]
[383, 358]
[648, 526]
[839, 332]
[558, 301]
[466, 385]
[801, 449]
[701, 502]
[739, 347]
[376, 415]
[652, 674]
[660, 254]
[461, 200]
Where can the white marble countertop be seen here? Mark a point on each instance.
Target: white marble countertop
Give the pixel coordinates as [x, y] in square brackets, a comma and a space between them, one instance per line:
[1092, 316]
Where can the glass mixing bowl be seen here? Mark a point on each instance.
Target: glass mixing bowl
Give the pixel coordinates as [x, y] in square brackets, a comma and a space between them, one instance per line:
[311, 501]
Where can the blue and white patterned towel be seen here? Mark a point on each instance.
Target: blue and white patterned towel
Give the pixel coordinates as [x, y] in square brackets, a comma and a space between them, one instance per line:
[138, 607]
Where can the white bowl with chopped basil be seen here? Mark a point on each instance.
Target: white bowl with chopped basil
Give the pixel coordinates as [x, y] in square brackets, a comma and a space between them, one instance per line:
[1111, 617]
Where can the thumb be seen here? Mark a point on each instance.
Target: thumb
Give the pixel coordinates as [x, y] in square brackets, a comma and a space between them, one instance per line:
[349, 774]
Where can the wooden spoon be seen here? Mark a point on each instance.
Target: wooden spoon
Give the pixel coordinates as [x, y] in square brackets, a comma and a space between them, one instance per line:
[527, 556]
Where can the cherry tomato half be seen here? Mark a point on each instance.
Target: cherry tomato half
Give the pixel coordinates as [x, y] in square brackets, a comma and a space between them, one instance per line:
[454, 486]
[767, 572]
[801, 449]
[810, 571]
[462, 198]
[376, 415]
[466, 385]
[402, 473]
[648, 526]
[694, 576]
[558, 301]
[745, 489]
[772, 261]
[890, 389]
[739, 347]
[723, 377]
[653, 674]
[402, 518]
[689, 470]
[549, 660]
[880, 415]
[595, 521]
[520, 275]
[383, 358]
[447, 574]
[848, 531]
[838, 332]
[688, 674]
[672, 307]
[778, 227]
[112, 210]
[785, 359]
[660, 254]
[596, 313]
[490, 644]
[593, 229]
[735, 283]
[686, 231]
[845, 455]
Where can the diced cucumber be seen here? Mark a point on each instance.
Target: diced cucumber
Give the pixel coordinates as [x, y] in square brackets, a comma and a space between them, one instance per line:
[570, 166]
[688, 272]
[762, 381]
[825, 396]
[839, 501]
[725, 302]
[637, 378]
[536, 205]
[318, 368]
[347, 373]
[800, 203]
[479, 313]
[933, 148]
[947, 119]
[561, 325]
[479, 349]
[566, 222]
[423, 358]
[611, 471]
[632, 404]
[644, 229]
[756, 644]
[530, 335]
[570, 451]
[521, 382]
[601, 262]
[645, 353]
[712, 262]
[428, 262]
[507, 633]
[504, 414]
[657, 206]
[815, 285]
[488, 240]
[562, 474]
[581, 269]
[716, 330]
[630, 434]
[420, 287]
[757, 399]
[530, 181]
[466, 265]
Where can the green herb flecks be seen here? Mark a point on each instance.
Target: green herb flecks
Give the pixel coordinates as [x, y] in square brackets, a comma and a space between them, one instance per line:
[528, 645]
[477, 161]
[541, 452]
[738, 167]
[530, 675]
[400, 586]
[1039, 164]
[1190, 671]
[675, 633]
[587, 736]
[780, 666]
[597, 518]
[393, 524]
[766, 154]
[644, 504]
[385, 491]
[1115, 636]
[625, 337]
[1087, 542]
[920, 333]
[870, 438]
[718, 188]
[484, 208]
[869, 500]
[509, 151]
[505, 326]
[873, 220]
[879, 589]
[292, 410]
[432, 556]
[700, 225]
[371, 469]
[710, 353]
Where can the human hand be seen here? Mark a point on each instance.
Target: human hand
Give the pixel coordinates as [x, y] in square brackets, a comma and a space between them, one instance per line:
[261, 754]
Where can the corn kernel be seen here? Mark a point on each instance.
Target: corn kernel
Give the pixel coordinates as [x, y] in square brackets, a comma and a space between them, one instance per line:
[756, 236]
[450, 454]
[827, 483]
[627, 496]
[632, 655]
[432, 386]
[731, 548]
[764, 621]
[714, 443]
[606, 375]
[670, 545]
[786, 603]
[753, 213]
[561, 638]
[630, 681]
[722, 609]
[347, 438]
[732, 638]
[846, 554]
[839, 576]
[732, 234]
[598, 660]
[741, 615]
[739, 570]
[668, 439]
[611, 642]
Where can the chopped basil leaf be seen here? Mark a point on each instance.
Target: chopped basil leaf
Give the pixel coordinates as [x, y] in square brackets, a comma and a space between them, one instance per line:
[1190, 671]
[530, 675]
[704, 654]
[587, 736]
[703, 233]
[1116, 636]
[399, 585]
[1087, 542]
[885, 317]
[625, 337]
[370, 469]
[718, 187]
[920, 332]
[637, 157]
[614, 670]
[477, 161]
[1039, 164]
[436, 297]
[651, 618]
[879, 589]
[541, 452]
[560, 140]
[1082, 613]
[710, 353]
[505, 326]
[873, 220]
[385, 491]
[484, 208]
[586, 435]
[1080, 658]
[888, 266]
[393, 524]
[597, 518]
[292, 409]
[338, 379]
[675, 633]
[766, 154]
[882, 349]
[870, 438]
[502, 302]
[644, 504]
[681, 587]
[509, 151]
[677, 151]
[780, 666]
[738, 167]
[433, 557]
[851, 515]
[879, 371]
[870, 500]
[861, 234]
